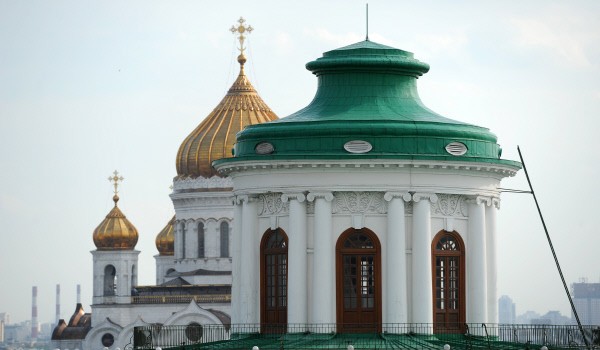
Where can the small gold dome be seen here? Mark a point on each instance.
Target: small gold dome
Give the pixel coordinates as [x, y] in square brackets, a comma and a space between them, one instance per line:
[165, 240]
[115, 232]
[215, 136]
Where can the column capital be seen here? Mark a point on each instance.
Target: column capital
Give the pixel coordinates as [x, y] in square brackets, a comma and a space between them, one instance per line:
[245, 198]
[496, 202]
[388, 196]
[328, 196]
[299, 196]
[418, 196]
[478, 200]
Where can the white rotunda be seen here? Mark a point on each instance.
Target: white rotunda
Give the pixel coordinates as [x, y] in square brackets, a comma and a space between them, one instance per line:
[365, 208]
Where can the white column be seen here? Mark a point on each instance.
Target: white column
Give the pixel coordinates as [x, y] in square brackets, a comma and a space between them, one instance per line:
[323, 284]
[492, 260]
[250, 274]
[179, 239]
[422, 288]
[396, 303]
[297, 293]
[236, 272]
[476, 264]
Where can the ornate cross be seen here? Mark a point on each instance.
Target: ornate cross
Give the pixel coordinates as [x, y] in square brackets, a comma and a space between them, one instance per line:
[115, 179]
[240, 29]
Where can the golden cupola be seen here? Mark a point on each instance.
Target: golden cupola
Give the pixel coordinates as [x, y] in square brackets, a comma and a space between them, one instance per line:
[165, 240]
[215, 136]
[115, 232]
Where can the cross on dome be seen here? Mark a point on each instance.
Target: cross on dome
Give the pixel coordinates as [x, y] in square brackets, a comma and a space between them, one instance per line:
[115, 179]
[240, 29]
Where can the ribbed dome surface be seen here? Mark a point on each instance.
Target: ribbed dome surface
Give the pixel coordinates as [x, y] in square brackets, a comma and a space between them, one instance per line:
[115, 232]
[165, 240]
[214, 138]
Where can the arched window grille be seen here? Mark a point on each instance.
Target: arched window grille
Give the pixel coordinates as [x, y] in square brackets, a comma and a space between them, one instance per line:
[110, 280]
[201, 240]
[273, 275]
[448, 263]
[224, 239]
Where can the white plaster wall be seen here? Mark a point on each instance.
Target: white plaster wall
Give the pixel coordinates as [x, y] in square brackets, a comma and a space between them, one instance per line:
[444, 178]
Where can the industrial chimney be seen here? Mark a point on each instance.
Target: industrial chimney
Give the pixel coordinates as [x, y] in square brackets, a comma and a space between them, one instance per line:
[34, 314]
[57, 318]
[79, 294]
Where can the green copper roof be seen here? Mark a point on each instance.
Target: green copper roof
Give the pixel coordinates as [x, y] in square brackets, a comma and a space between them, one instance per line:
[367, 92]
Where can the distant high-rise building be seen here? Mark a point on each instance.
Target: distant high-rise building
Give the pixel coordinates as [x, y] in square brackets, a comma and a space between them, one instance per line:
[506, 310]
[586, 297]
[1, 331]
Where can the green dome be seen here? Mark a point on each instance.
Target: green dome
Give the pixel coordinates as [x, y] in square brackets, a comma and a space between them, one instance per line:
[367, 106]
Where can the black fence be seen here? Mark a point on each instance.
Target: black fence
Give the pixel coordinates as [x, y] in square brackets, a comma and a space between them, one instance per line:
[380, 336]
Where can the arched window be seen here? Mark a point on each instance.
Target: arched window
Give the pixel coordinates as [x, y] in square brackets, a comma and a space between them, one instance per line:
[358, 281]
[448, 263]
[183, 233]
[133, 276]
[110, 280]
[201, 240]
[224, 239]
[273, 277]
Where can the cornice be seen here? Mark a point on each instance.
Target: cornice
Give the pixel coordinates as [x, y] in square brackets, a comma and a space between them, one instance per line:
[498, 169]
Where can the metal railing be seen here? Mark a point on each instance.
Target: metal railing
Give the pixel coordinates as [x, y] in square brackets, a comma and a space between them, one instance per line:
[364, 336]
[180, 299]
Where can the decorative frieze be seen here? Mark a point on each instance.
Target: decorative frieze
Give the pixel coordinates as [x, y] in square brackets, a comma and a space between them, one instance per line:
[271, 204]
[198, 201]
[450, 205]
[359, 203]
[201, 182]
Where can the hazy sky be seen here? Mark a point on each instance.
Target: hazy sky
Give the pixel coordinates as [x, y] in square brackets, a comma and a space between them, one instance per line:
[87, 87]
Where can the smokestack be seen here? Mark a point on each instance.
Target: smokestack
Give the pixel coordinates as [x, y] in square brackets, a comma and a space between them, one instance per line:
[79, 294]
[34, 314]
[57, 318]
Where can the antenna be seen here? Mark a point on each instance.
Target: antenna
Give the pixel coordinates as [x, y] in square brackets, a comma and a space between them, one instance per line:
[367, 22]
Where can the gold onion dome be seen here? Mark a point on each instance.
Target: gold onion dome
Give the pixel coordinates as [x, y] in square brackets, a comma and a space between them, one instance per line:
[115, 232]
[165, 240]
[215, 136]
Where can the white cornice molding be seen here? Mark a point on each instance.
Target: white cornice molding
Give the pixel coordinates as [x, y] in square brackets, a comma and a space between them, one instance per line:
[501, 169]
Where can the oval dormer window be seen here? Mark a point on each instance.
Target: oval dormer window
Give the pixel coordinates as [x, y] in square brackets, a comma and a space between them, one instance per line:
[456, 148]
[264, 148]
[357, 146]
